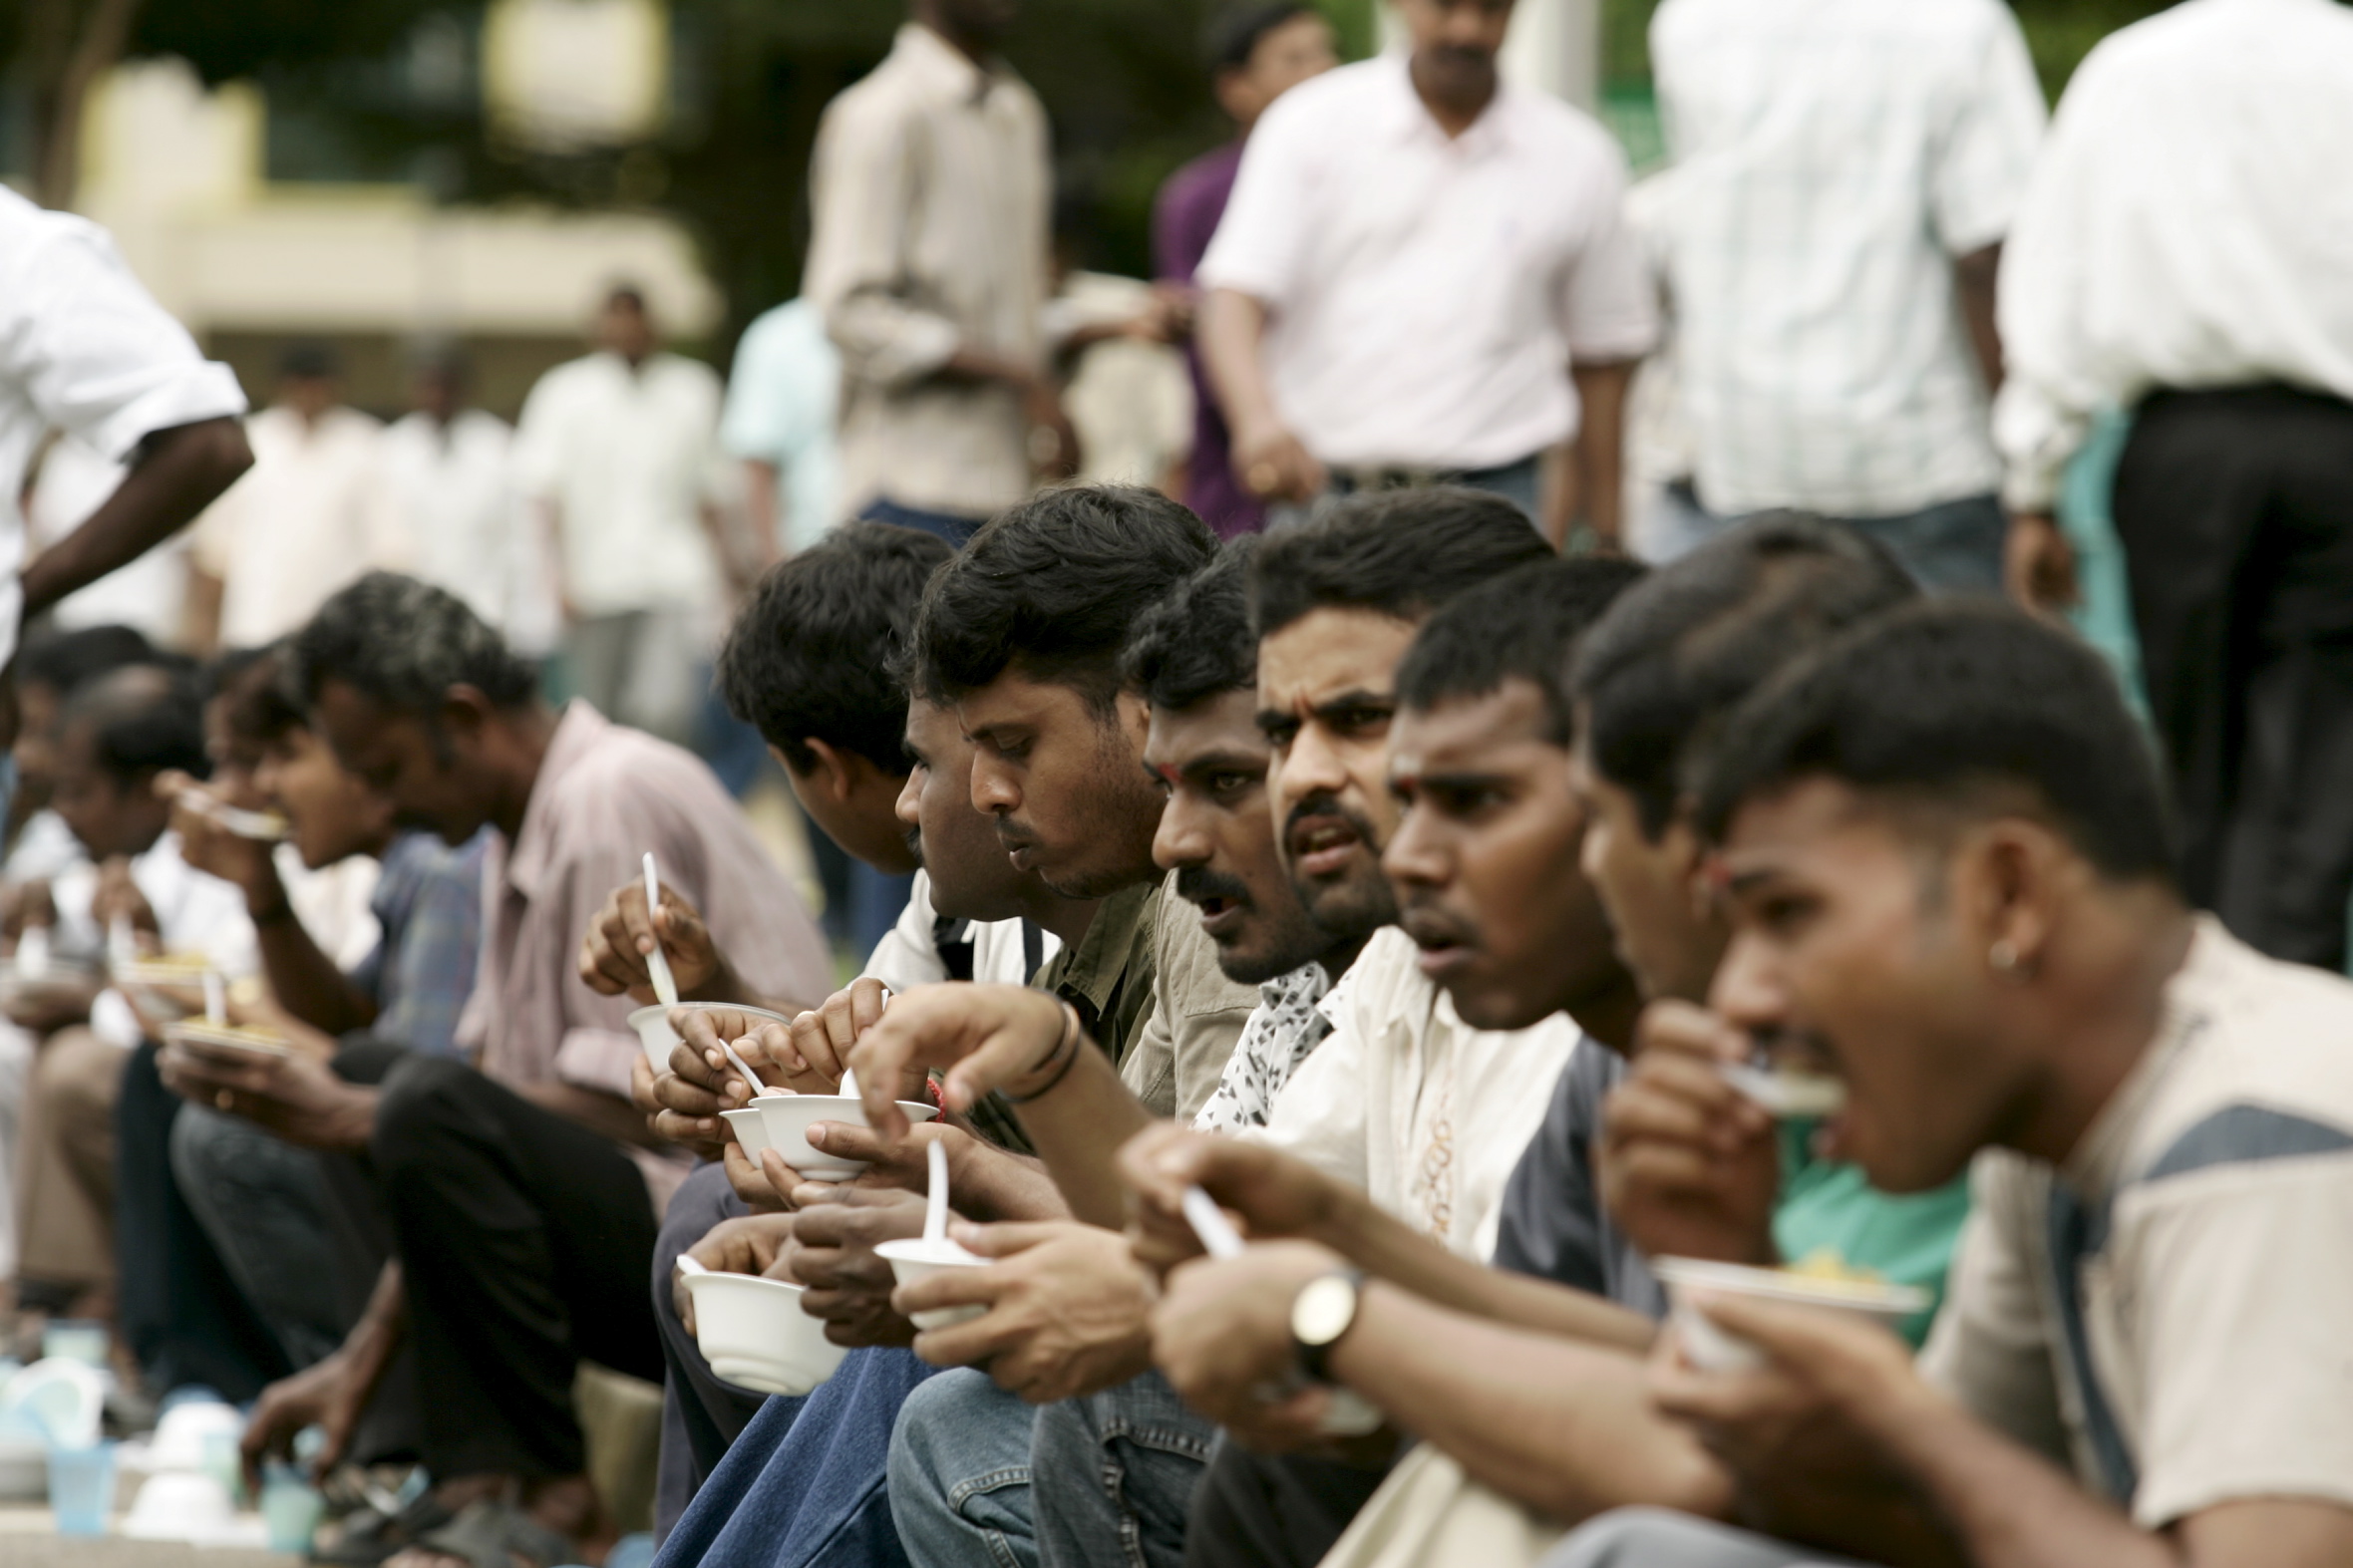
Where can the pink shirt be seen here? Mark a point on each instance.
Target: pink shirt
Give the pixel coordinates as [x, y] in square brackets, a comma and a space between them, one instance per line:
[605, 797]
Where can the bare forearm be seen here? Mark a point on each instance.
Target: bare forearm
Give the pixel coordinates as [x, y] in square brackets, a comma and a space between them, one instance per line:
[1078, 1126]
[993, 1185]
[1229, 332]
[607, 1116]
[1385, 1246]
[1563, 1427]
[1975, 276]
[1601, 446]
[182, 473]
[304, 980]
[377, 1337]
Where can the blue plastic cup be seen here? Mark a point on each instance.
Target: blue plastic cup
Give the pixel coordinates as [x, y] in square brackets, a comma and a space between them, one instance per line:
[291, 1508]
[82, 1489]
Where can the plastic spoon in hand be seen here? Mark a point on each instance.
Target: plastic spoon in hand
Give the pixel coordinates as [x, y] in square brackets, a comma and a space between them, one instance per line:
[935, 1201]
[31, 953]
[687, 1265]
[657, 961]
[751, 1079]
[215, 998]
[1218, 1235]
[122, 941]
[1347, 1413]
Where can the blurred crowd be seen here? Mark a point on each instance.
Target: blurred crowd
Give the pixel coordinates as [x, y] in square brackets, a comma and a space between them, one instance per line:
[1481, 907]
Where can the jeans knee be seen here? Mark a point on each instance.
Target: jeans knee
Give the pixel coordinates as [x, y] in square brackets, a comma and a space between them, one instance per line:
[1625, 1538]
[418, 1107]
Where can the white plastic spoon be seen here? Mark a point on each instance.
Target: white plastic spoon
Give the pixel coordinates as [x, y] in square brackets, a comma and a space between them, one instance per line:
[1217, 1236]
[122, 941]
[936, 1202]
[215, 998]
[31, 953]
[657, 961]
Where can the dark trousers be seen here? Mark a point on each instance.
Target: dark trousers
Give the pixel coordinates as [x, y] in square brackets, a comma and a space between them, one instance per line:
[2235, 510]
[955, 527]
[523, 1241]
[1273, 1509]
[702, 1413]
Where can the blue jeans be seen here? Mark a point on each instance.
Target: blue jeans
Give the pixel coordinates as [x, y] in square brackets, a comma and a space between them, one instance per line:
[805, 1485]
[1122, 1463]
[1656, 1538]
[1954, 546]
[1520, 483]
[953, 526]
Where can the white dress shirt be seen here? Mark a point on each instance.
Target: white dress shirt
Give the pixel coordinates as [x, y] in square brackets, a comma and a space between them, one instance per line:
[453, 486]
[308, 518]
[1426, 294]
[2191, 225]
[1003, 954]
[86, 350]
[628, 458]
[1832, 160]
[1428, 1115]
[150, 593]
[931, 193]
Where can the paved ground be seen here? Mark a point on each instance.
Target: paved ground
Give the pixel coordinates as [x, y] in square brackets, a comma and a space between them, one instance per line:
[27, 1541]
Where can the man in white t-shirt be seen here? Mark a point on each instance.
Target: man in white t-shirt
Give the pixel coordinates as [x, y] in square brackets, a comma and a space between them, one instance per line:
[1422, 276]
[620, 453]
[1943, 849]
[450, 471]
[310, 518]
[86, 351]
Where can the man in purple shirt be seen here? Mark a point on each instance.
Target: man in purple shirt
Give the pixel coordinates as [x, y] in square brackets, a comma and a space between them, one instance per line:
[1257, 52]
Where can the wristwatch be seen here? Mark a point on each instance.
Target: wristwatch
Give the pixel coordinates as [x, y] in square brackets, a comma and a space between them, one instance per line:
[1321, 1313]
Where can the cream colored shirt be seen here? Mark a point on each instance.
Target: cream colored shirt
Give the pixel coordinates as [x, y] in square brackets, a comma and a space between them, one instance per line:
[932, 189]
[1407, 1101]
[2169, 1311]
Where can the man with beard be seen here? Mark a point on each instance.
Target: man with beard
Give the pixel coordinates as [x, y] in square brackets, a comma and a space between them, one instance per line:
[1336, 603]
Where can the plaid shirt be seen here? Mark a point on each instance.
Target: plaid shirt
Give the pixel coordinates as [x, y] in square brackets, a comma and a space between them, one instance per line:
[429, 902]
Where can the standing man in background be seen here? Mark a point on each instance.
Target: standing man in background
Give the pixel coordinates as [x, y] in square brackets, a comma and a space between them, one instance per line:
[1257, 53]
[930, 262]
[1843, 176]
[1424, 278]
[619, 452]
[2186, 252]
[450, 472]
[310, 517]
[784, 396]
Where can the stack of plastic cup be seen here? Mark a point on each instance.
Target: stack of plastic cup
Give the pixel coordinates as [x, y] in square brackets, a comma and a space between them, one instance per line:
[82, 1489]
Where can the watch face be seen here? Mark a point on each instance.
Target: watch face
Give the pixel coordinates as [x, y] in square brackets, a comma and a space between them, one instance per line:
[1324, 1311]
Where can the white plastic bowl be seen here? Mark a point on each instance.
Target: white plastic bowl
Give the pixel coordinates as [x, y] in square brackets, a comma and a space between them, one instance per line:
[917, 1259]
[179, 1505]
[749, 1130]
[789, 1117]
[659, 1039]
[1713, 1348]
[753, 1334]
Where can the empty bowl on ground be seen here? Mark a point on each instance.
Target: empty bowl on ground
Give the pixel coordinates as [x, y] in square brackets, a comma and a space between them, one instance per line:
[659, 1039]
[753, 1334]
[917, 1259]
[1714, 1348]
[789, 1117]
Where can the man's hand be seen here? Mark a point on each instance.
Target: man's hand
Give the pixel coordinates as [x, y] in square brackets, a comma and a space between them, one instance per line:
[759, 1244]
[1069, 1310]
[2038, 564]
[245, 863]
[297, 1096]
[982, 1037]
[614, 955]
[118, 898]
[27, 903]
[330, 1395]
[1273, 466]
[1688, 1165]
[817, 1045]
[848, 1286]
[1223, 1337]
[677, 1111]
[1275, 1194]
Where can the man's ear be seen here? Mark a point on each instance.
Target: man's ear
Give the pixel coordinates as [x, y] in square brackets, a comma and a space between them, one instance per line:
[835, 775]
[465, 711]
[1135, 720]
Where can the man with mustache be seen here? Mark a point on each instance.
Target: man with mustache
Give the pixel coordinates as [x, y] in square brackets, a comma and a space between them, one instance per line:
[1422, 277]
[1946, 856]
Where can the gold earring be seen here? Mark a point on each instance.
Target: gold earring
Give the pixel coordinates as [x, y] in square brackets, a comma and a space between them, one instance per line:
[2003, 955]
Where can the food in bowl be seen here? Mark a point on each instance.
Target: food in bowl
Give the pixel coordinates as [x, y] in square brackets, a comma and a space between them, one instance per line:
[1823, 1281]
[200, 1036]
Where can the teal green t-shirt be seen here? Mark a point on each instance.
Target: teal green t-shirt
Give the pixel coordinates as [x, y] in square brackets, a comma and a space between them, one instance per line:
[1826, 1206]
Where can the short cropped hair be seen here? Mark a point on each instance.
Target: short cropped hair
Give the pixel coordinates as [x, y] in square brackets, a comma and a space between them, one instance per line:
[64, 661]
[1398, 553]
[405, 644]
[811, 657]
[1522, 625]
[1680, 651]
[1051, 587]
[1966, 706]
[250, 683]
[142, 719]
[1235, 33]
[1195, 644]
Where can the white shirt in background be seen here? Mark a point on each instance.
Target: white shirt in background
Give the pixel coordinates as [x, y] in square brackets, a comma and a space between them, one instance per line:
[2191, 225]
[196, 913]
[453, 486]
[782, 396]
[335, 903]
[1129, 399]
[150, 593]
[309, 518]
[1426, 1115]
[84, 350]
[1003, 953]
[1832, 157]
[1426, 295]
[628, 458]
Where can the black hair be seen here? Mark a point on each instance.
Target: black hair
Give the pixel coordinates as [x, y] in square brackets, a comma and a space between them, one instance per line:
[811, 657]
[1233, 34]
[1399, 553]
[1054, 585]
[251, 683]
[1524, 625]
[627, 294]
[309, 362]
[1957, 705]
[64, 661]
[1679, 651]
[142, 719]
[1195, 644]
[404, 644]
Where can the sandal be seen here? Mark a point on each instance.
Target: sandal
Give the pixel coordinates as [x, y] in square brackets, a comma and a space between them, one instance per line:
[368, 1536]
[490, 1535]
